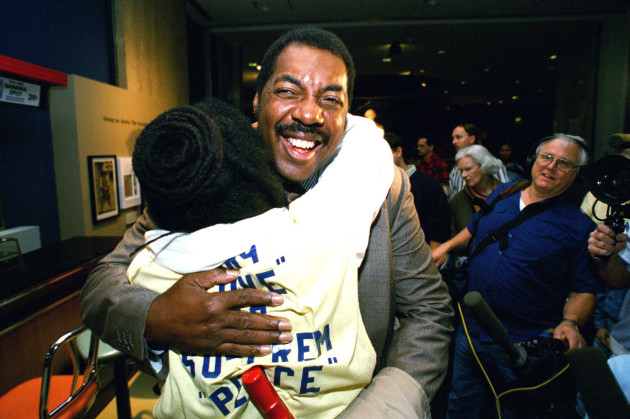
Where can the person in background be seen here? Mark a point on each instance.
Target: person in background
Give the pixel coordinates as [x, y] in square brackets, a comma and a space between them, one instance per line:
[431, 164]
[609, 302]
[431, 205]
[514, 170]
[303, 94]
[606, 316]
[371, 115]
[614, 270]
[535, 277]
[465, 135]
[477, 167]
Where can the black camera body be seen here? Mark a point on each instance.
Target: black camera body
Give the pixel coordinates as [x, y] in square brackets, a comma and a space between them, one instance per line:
[609, 181]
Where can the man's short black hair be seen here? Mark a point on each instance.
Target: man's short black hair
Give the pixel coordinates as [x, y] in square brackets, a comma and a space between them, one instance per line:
[393, 140]
[474, 130]
[426, 137]
[311, 37]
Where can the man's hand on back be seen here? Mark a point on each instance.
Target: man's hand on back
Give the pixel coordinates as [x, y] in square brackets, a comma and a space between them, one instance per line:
[191, 319]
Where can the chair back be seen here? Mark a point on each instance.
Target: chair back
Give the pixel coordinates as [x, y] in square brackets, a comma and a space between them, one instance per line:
[84, 382]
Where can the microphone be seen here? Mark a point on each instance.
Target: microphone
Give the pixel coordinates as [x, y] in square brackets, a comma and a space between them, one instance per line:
[517, 355]
[601, 394]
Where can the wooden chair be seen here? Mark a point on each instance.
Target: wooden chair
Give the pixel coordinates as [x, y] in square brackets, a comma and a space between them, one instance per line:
[56, 395]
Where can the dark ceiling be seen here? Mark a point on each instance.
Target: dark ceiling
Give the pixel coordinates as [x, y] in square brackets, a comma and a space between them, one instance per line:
[454, 41]
[473, 51]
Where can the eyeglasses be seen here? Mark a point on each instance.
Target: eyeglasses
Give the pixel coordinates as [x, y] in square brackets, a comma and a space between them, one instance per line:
[563, 165]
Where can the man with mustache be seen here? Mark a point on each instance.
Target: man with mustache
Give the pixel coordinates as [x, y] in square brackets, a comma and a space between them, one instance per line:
[303, 95]
[535, 277]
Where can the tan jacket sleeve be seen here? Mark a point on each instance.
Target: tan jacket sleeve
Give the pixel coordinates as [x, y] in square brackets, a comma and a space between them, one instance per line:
[422, 302]
[112, 307]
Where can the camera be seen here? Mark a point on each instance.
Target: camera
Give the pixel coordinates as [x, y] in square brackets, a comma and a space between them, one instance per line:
[609, 181]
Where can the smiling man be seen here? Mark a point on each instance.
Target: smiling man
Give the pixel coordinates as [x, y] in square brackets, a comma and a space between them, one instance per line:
[303, 95]
[302, 114]
[535, 277]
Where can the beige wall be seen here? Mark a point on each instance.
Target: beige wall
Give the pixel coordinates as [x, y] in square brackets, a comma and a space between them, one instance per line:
[91, 118]
[151, 48]
[152, 67]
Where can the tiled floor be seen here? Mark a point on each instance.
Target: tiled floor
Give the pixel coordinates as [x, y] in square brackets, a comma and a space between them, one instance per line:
[142, 398]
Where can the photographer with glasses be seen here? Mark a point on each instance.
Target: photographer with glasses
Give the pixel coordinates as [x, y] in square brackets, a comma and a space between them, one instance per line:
[530, 263]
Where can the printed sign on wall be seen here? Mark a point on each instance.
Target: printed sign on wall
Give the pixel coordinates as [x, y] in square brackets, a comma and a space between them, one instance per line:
[19, 92]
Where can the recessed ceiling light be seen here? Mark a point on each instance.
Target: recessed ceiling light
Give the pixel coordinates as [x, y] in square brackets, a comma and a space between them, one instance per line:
[441, 52]
[553, 57]
[463, 82]
[424, 84]
[252, 64]
[514, 97]
[387, 60]
[487, 69]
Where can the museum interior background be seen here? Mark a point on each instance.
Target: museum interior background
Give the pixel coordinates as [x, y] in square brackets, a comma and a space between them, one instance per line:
[132, 60]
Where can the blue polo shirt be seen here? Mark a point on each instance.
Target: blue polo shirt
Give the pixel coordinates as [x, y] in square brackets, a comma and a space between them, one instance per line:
[527, 283]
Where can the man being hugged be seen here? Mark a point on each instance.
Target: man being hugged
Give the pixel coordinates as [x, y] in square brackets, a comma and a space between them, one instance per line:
[204, 166]
[303, 94]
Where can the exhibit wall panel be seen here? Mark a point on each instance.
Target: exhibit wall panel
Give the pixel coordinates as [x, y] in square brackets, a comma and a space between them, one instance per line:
[153, 39]
[90, 118]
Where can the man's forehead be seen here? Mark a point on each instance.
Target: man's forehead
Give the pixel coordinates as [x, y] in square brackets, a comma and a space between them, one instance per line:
[558, 144]
[301, 61]
[563, 148]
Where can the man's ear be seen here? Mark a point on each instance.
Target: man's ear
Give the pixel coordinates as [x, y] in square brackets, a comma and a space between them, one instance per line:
[398, 152]
[474, 141]
[255, 104]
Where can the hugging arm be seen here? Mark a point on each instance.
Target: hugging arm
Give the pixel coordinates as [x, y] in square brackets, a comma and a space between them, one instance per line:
[186, 316]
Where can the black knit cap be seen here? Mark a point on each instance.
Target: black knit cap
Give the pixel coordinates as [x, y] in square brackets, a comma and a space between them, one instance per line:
[204, 164]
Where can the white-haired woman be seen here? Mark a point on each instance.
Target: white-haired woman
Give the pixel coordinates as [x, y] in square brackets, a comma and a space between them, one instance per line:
[478, 168]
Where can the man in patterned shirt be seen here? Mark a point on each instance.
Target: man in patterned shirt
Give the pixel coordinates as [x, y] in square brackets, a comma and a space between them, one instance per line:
[431, 164]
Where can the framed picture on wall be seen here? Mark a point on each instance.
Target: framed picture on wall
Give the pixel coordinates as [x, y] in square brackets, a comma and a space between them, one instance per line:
[103, 177]
[128, 185]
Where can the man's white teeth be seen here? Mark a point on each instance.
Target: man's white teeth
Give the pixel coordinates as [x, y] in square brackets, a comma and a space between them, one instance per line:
[301, 143]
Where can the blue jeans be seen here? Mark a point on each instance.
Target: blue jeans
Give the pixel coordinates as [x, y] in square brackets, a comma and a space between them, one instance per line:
[471, 396]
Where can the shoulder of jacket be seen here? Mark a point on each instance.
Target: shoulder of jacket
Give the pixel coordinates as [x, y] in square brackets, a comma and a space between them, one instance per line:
[400, 187]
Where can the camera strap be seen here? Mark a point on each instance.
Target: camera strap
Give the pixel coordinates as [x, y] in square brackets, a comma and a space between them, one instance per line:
[501, 234]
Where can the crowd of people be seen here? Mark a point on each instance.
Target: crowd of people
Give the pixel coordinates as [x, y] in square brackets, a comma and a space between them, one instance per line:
[302, 246]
